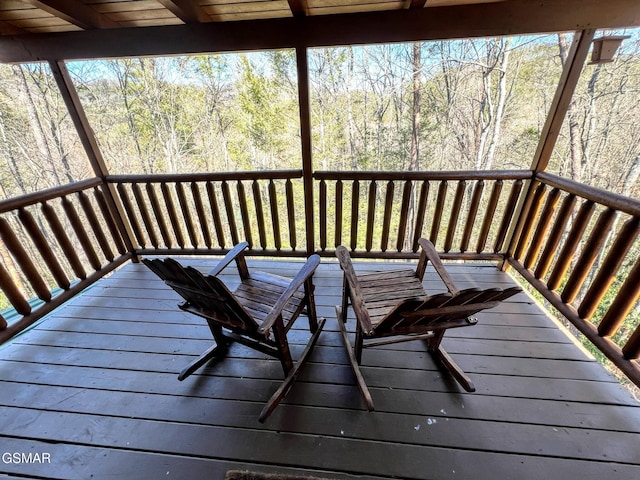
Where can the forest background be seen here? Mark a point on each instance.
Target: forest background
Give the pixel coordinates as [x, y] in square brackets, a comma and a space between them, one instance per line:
[475, 104]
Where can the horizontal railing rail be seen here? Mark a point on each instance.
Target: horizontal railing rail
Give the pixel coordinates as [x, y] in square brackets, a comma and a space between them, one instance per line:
[579, 247]
[62, 239]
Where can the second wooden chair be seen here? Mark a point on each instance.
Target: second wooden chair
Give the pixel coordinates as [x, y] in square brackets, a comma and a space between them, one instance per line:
[393, 306]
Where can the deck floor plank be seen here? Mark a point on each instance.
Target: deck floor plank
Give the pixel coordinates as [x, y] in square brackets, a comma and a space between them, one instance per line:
[95, 385]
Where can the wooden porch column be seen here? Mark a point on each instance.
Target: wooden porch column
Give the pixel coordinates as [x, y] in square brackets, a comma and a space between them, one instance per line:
[549, 135]
[302, 63]
[72, 101]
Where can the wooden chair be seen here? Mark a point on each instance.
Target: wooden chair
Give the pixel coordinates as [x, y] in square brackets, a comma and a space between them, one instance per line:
[258, 314]
[392, 306]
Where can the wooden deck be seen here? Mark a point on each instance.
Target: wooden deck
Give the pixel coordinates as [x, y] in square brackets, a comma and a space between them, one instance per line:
[95, 387]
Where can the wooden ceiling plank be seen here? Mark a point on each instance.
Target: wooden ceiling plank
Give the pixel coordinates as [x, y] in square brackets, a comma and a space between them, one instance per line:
[74, 12]
[356, 8]
[188, 11]
[477, 20]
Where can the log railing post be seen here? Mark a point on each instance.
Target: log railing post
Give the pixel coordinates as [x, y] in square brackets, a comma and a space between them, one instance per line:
[302, 62]
[549, 135]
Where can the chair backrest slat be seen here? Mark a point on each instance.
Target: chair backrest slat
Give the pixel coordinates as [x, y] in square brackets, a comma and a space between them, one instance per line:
[441, 310]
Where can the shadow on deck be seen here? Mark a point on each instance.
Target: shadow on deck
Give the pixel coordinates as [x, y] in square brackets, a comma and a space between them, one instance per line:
[95, 386]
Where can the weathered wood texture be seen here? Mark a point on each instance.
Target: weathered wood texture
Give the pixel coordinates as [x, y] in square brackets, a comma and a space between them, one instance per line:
[95, 386]
[55, 243]
[583, 257]
[270, 25]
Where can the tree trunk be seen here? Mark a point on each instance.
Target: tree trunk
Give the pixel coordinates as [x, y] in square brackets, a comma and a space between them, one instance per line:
[502, 100]
[575, 146]
[34, 121]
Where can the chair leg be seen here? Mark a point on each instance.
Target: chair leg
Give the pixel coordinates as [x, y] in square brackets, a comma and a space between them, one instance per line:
[354, 363]
[311, 306]
[453, 368]
[286, 385]
[280, 334]
[216, 351]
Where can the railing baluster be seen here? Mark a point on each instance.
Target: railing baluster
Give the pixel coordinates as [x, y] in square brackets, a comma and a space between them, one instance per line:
[533, 215]
[544, 223]
[244, 213]
[608, 270]
[355, 210]
[144, 212]
[488, 216]
[507, 217]
[551, 247]
[473, 213]
[631, 350]
[80, 232]
[217, 219]
[371, 214]
[202, 218]
[621, 306]
[173, 215]
[133, 218]
[386, 222]
[257, 202]
[63, 240]
[22, 258]
[404, 209]
[44, 248]
[437, 214]
[338, 231]
[322, 192]
[291, 214]
[108, 218]
[12, 293]
[159, 215]
[420, 215]
[186, 214]
[589, 254]
[455, 214]
[570, 245]
[94, 223]
[275, 217]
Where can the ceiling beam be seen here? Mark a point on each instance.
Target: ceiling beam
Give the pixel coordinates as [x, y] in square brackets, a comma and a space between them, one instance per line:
[186, 10]
[299, 8]
[7, 29]
[465, 21]
[75, 12]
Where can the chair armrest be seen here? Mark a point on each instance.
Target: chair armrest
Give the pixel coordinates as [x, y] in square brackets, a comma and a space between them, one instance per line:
[429, 252]
[305, 274]
[237, 254]
[357, 301]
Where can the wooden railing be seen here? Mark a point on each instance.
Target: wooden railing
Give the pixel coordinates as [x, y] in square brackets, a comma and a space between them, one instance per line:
[383, 214]
[64, 237]
[579, 247]
[209, 213]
